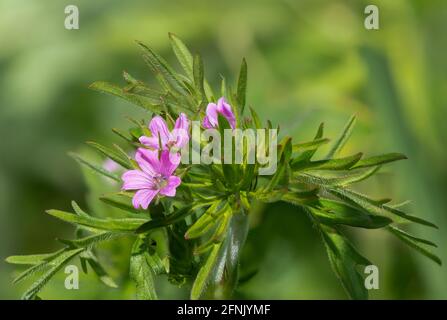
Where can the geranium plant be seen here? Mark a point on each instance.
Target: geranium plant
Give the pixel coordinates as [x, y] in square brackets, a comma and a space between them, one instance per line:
[190, 219]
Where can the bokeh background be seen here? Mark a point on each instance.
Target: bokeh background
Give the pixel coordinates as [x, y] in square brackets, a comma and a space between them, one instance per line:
[309, 61]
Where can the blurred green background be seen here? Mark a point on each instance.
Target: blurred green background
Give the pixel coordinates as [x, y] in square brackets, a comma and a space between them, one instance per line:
[309, 61]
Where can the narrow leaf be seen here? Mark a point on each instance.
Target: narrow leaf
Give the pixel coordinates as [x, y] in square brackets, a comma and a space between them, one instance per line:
[341, 141]
[56, 265]
[379, 160]
[242, 86]
[94, 167]
[415, 243]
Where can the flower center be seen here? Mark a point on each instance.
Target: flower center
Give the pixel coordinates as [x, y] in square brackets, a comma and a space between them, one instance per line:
[160, 181]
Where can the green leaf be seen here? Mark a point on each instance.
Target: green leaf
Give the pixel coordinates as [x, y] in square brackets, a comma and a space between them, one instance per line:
[344, 260]
[178, 215]
[410, 217]
[121, 201]
[141, 273]
[410, 236]
[379, 160]
[164, 73]
[94, 167]
[375, 207]
[92, 240]
[183, 54]
[416, 243]
[205, 273]
[341, 141]
[242, 86]
[78, 209]
[255, 118]
[198, 74]
[306, 156]
[32, 258]
[333, 212]
[30, 272]
[112, 154]
[281, 177]
[55, 266]
[345, 178]
[98, 269]
[332, 164]
[300, 198]
[206, 221]
[109, 224]
[148, 104]
[181, 259]
[306, 146]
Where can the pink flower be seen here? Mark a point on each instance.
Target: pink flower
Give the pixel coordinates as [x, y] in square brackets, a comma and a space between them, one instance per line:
[155, 177]
[176, 139]
[212, 111]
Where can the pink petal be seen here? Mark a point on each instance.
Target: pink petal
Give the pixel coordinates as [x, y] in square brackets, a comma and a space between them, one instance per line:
[225, 109]
[143, 198]
[180, 136]
[206, 123]
[136, 179]
[182, 122]
[148, 161]
[151, 142]
[158, 128]
[180, 133]
[169, 161]
[211, 115]
[170, 189]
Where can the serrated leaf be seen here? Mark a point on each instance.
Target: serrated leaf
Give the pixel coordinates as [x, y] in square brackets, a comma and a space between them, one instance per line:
[198, 74]
[183, 54]
[141, 273]
[92, 240]
[30, 271]
[55, 266]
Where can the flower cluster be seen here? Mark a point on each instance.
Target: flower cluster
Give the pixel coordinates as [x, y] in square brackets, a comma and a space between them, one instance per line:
[157, 164]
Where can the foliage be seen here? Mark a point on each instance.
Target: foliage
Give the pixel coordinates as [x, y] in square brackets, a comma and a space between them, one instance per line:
[196, 238]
